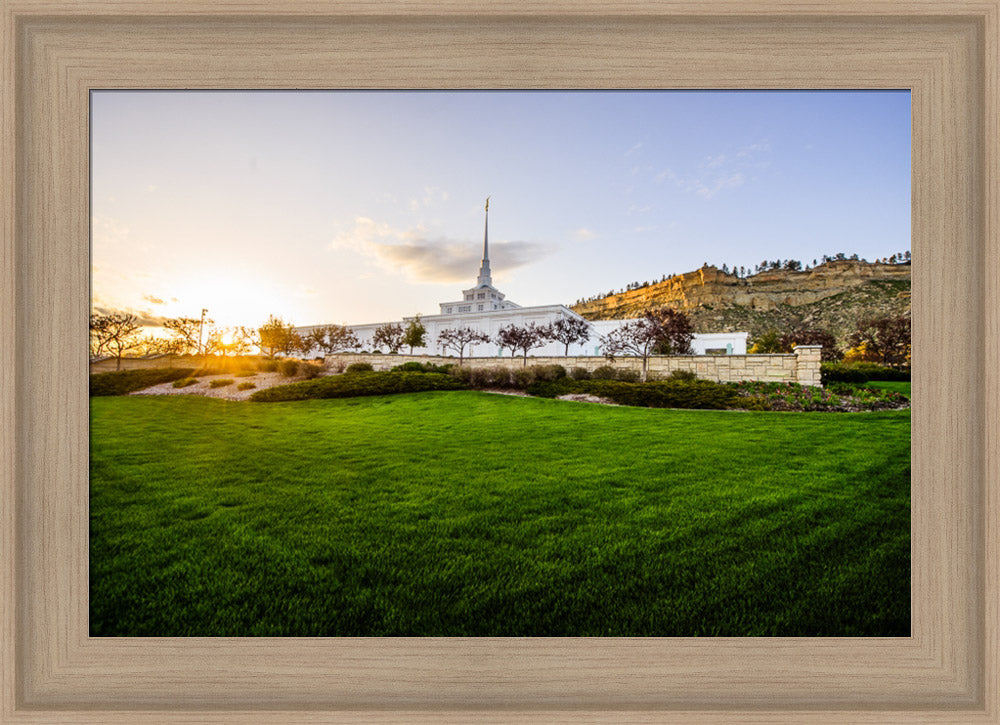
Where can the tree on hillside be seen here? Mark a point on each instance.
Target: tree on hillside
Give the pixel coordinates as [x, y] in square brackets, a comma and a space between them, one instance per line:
[885, 338]
[674, 330]
[830, 352]
[524, 338]
[569, 330]
[244, 340]
[115, 334]
[416, 334]
[390, 335]
[456, 338]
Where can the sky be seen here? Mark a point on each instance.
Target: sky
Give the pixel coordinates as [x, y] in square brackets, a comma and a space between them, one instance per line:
[350, 207]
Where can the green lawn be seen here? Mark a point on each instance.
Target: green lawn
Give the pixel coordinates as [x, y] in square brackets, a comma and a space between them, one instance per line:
[464, 513]
[897, 386]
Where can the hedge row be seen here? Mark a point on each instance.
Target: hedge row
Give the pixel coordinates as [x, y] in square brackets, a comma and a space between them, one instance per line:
[701, 394]
[358, 384]
[831, 372]
[123, 382]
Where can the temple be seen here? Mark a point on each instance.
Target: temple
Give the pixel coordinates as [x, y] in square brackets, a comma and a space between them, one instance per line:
[485, 308]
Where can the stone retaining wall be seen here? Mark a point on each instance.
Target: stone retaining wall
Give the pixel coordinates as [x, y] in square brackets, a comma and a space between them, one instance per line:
[801, 367]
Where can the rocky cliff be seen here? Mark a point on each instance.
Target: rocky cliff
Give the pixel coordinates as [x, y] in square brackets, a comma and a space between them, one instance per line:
[833, 296]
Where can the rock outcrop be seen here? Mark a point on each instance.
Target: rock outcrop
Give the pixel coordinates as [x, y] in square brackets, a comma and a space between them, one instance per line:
[832, 296]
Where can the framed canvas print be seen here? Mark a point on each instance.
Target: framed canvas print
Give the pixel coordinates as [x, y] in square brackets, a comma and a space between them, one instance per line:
[157, 585]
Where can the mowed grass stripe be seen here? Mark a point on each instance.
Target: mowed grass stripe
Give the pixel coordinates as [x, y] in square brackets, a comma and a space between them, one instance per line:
[469, 514]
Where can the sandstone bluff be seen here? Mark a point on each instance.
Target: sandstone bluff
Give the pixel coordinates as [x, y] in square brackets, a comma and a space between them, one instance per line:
[833, 296]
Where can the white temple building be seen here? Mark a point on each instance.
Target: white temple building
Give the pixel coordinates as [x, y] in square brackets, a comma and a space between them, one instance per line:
[485, 308]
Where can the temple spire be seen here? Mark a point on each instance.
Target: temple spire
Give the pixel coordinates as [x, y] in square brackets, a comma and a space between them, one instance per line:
[484, 270]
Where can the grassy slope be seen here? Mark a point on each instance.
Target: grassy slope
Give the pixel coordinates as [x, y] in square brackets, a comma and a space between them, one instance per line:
[460, 513]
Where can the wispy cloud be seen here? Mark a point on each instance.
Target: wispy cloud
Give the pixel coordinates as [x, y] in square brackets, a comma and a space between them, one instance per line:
[153, 300]
[436, 260]
[635, 147]
[583, 234]
[719, 172]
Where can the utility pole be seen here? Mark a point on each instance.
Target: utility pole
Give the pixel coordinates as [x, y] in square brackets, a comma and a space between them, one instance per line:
[200, 326]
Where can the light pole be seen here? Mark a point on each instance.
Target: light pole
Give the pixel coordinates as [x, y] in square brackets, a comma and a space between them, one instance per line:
[200, 326]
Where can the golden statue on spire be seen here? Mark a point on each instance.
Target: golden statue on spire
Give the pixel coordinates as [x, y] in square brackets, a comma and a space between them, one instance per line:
[487, 203]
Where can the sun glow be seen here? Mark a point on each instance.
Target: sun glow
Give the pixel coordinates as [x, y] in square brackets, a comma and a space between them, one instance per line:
[229, 301]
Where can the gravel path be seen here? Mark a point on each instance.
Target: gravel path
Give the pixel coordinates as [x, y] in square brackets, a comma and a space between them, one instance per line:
[228, 392]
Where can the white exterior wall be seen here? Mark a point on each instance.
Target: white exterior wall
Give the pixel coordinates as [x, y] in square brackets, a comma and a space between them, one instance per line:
[734, 343]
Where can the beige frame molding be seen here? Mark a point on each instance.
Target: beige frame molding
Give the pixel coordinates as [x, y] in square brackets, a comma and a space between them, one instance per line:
[55, 51]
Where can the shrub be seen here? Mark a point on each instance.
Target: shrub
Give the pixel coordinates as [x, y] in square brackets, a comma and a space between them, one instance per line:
[359, 368]
[310, 370]
[268, 366]
[495, 376]
[417, 367]
[461, 373]
[686, 375]
[627, 375]
[359, 384]
[220, 383]
[552, 388]
[521, 378]
[288, 368]
[246, 386]
[184, 382]
[549, 373]
[122, 382]
[579, 374]
[605, 372]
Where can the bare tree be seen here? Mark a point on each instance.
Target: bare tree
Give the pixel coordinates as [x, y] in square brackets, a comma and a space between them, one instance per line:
[522, 338]
[115, 333]
[389, 334]
[186, 331]
[569, 330]
[456, 338]
[339, 338]
[634, 338]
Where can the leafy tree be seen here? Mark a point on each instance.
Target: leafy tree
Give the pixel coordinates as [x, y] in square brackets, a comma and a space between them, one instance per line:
[885, 338]
[456, 338]
[830, 353]
[275, 336]
[674, 330]
[115, 333]
[244, 340]
[416, 334]
[522, 338]
[389, 334]
[767, 343]
[568, 330]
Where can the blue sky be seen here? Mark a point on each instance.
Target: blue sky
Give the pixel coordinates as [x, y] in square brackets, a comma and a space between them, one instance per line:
[353, 207]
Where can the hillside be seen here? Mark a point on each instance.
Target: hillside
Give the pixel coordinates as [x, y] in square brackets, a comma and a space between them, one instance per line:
[831, 296]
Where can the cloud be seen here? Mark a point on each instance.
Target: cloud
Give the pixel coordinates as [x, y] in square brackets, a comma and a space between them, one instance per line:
[720, 172]
[635, 147]
[423, 259]
[153, 300]
[583, 234]
[145, 318]
[726, 182]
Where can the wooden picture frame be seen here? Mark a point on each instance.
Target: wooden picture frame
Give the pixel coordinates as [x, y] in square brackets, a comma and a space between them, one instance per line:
[55, 52]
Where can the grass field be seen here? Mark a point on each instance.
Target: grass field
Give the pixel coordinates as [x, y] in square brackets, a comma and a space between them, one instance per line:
[464, 513]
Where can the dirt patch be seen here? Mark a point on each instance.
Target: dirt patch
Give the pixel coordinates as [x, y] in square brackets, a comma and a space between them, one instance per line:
[585, 398]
